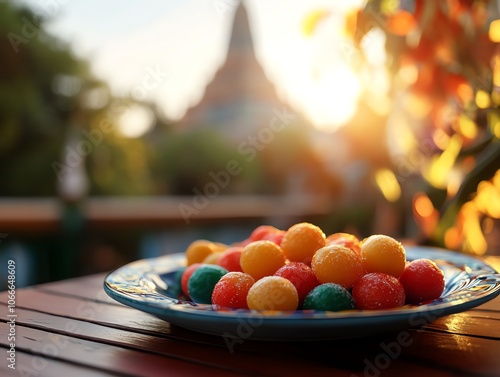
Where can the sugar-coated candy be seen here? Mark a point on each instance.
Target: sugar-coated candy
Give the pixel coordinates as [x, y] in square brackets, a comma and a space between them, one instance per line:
[377, 290]
[232, 289]
[213, 258]
[275, 237]
[198, 250]
[330, 296]
[301, 276]
[273, 293]
[380, 253]
[202, 282]
[230, 259]
[301, 241]
[283, 270]
[261, 232]
[188, 271]
[345, 239]
[337, 264]
[261, 258]
[422, 280]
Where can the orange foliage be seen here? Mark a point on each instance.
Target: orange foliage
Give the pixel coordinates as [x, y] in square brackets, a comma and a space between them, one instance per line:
[401, 23]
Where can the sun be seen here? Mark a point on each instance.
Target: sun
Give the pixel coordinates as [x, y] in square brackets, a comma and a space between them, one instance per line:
[331, 101]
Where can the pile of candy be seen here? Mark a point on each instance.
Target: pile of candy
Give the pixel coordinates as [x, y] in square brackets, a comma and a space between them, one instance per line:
[301, 268]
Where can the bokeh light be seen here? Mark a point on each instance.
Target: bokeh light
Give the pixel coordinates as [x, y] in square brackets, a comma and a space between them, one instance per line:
[135, 121]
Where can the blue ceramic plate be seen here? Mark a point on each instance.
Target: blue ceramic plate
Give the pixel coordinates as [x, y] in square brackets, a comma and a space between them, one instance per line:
[149, 285]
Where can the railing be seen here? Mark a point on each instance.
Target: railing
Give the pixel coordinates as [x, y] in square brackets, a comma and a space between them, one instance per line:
[22, 215]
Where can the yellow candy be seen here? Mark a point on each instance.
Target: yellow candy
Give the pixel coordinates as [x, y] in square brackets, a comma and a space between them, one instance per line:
[213, 258]
[199, 250]
[381, 253]
[273, 293]
[261, 258]
[337, 264]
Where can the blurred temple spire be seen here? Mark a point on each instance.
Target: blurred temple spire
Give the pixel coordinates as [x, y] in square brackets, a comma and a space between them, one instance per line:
[240, 99]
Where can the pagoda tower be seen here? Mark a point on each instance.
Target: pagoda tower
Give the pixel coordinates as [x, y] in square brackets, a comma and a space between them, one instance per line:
[240, 99]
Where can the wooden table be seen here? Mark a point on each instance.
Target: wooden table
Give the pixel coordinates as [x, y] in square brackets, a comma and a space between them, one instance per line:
[72, 328]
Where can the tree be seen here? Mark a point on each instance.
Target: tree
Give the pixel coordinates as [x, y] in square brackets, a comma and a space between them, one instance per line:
[40, 82]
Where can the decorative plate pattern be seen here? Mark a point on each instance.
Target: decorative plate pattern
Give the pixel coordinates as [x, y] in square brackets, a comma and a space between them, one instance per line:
[149, 285]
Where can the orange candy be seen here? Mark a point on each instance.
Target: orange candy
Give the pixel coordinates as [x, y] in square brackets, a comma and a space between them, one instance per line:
[301, 242]
[337, 264]
[380, 253]
[261, 258]
[201, 249]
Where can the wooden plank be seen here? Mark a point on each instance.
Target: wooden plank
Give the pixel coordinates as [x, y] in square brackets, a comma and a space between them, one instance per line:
[458, 353]
[96, 312]
[493, 305]
[254, 363]
[34, 365]
[93, 280]
[86, 287]
[411, 352]
[475, 323]
[105, 357]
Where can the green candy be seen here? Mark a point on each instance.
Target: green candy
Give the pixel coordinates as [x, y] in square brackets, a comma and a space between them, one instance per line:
[329, 297]
[202, 282]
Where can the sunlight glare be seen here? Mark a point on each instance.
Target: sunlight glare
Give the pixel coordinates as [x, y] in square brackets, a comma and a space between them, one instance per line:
[474, 239]
[332, 99]
[388, 184]
[373, 46]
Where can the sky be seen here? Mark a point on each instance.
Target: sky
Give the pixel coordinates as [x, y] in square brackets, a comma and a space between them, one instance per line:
[168, 51]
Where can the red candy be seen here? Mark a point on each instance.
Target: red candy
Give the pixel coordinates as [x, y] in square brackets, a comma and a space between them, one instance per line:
[377, 290]
[301, 276]
[262, 231]
[275, 237]
[230, 259]
[232, 289]
[186, 275]
[422, 280]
